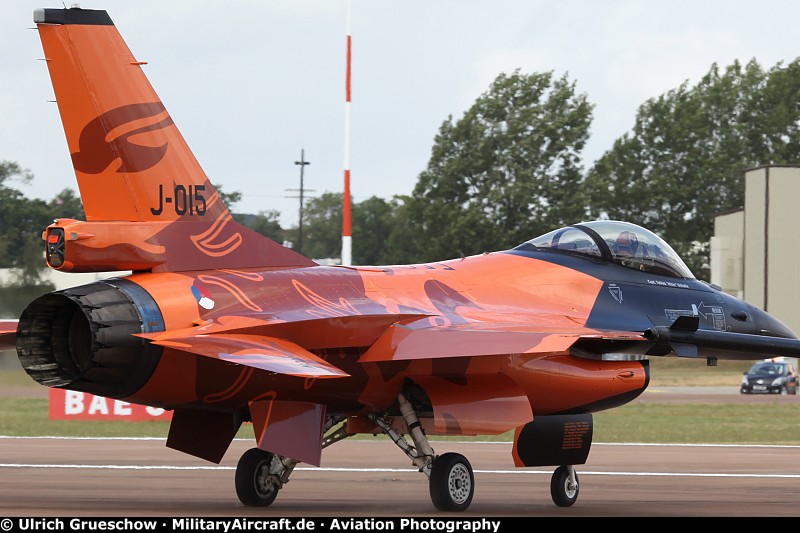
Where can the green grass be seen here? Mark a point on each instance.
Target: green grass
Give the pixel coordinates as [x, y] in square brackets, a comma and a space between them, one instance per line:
[762, 423]
[29, 417]
[680, 372]
[636, 422]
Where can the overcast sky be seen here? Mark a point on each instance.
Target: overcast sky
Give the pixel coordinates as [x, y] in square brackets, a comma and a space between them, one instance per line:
[251, 83]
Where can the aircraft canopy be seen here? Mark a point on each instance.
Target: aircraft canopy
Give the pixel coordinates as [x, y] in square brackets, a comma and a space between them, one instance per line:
[617, 242]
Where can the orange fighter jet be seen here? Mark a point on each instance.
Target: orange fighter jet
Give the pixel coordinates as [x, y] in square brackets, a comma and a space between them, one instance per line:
[223, 326]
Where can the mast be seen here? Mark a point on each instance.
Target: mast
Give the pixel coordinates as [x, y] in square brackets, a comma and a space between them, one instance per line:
[347, 235]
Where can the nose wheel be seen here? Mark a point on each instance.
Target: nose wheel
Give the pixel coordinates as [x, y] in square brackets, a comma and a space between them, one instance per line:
[564, 486]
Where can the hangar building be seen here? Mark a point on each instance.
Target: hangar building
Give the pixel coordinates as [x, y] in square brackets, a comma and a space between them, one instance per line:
[755, 251]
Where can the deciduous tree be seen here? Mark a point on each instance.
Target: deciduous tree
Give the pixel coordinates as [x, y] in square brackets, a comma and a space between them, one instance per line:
[506, 171]
[683, 162]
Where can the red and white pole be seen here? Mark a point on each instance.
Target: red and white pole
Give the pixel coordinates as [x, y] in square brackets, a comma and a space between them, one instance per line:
[347, 235]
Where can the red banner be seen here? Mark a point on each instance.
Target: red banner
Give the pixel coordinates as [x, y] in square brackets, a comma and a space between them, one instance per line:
[71, 405]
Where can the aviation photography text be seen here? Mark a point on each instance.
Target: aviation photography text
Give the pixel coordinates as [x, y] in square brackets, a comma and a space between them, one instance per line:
[226, 525]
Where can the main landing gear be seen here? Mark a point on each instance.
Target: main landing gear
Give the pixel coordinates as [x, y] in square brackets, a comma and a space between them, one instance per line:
[451, 481]
[260, 474]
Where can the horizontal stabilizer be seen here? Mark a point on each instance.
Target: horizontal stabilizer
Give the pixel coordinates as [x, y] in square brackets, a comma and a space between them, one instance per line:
[257, 351]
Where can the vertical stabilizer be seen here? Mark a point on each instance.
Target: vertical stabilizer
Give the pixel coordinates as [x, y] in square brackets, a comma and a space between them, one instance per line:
[131, 162]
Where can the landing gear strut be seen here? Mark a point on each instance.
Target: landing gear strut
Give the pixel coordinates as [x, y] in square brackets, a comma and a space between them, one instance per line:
[451, 481]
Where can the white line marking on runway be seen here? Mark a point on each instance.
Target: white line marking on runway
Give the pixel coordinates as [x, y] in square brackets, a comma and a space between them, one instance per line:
[394, 470]
[459, 442]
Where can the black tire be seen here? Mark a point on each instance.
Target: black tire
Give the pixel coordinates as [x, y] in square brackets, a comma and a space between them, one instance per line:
[253, 484]
[452, 483]
[563, 495]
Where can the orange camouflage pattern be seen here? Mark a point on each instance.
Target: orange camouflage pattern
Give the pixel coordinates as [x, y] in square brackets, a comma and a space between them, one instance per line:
[487, 337]
[224, 326]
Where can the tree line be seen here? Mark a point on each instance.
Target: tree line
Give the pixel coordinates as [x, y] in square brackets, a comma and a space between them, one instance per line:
[511, 168]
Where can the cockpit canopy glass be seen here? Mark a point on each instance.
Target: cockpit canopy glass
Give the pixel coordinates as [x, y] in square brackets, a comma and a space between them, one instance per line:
[618, 242]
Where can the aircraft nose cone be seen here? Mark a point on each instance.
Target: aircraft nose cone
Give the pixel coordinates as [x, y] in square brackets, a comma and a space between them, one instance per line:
[767, 324]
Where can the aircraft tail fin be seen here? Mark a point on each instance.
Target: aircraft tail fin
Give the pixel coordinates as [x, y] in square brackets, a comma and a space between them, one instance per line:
[131, 162]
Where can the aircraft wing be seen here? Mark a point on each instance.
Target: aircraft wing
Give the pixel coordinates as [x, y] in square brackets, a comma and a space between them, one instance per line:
[258, 351]
[8, 334]
[406, 342]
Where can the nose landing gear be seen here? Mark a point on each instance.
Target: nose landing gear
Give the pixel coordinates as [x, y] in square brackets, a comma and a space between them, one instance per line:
[564, 486]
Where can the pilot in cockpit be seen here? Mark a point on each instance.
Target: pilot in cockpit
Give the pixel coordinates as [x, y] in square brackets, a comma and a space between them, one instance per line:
[628, 252]
[626, 245]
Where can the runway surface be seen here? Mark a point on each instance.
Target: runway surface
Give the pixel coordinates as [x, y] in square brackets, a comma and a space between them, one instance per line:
[81, 477]
[372, 478]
